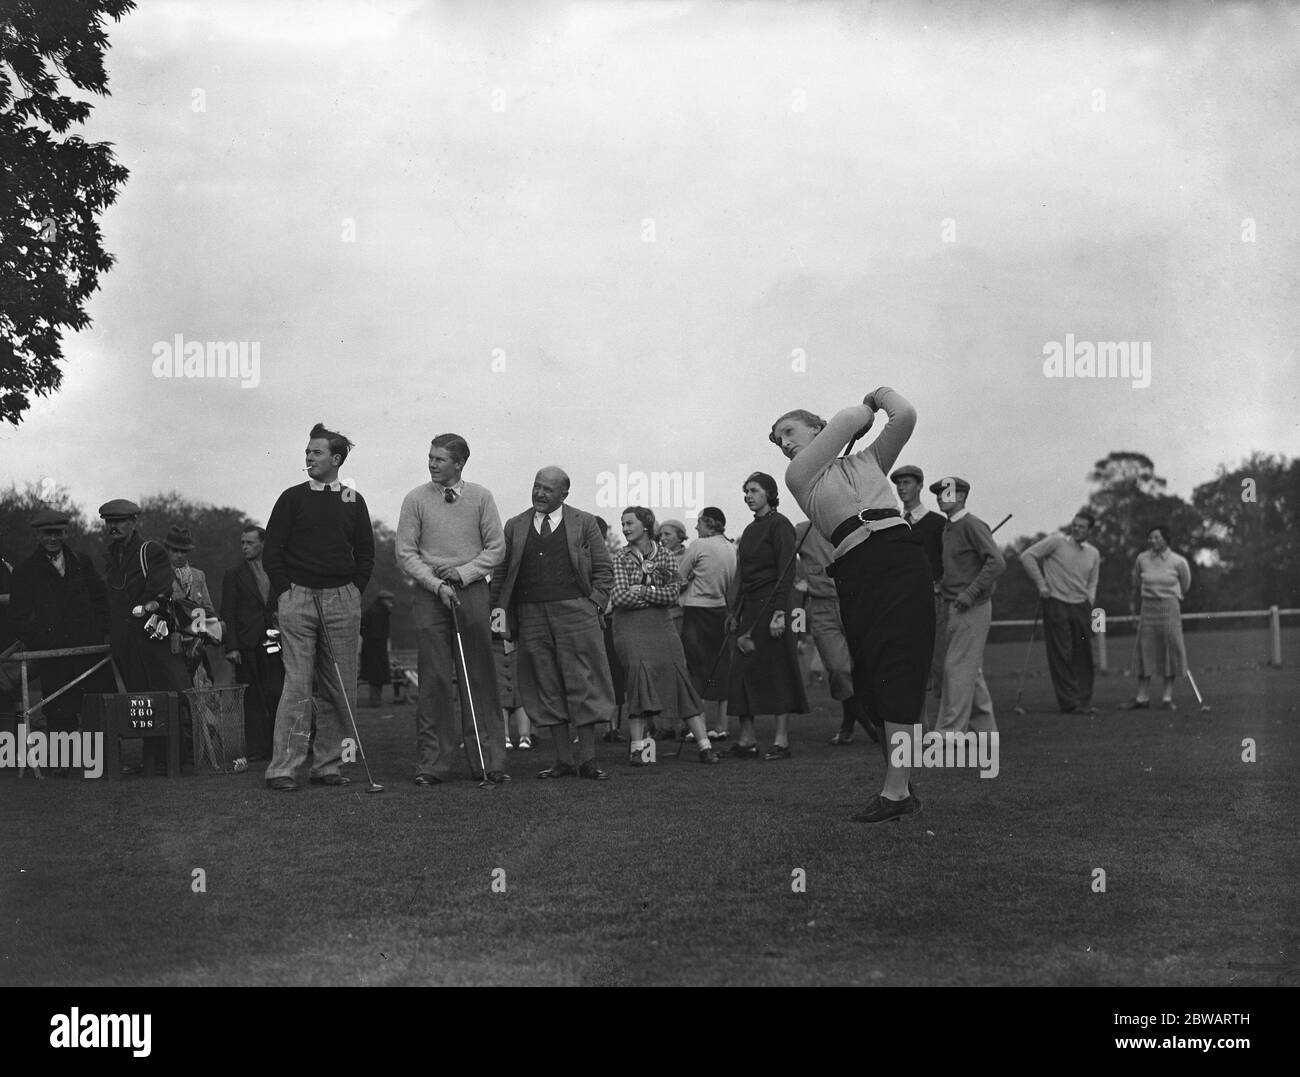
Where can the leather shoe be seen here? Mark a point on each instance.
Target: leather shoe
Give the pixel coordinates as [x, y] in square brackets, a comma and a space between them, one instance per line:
[282, 785]
[559, 770]
[498, 777]
[880, 809]
[590, 770]
[1136, 705]
[329, 779]
[427, 779]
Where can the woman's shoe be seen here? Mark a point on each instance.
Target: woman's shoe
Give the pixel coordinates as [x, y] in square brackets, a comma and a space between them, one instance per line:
[777, 751]
[525, 744]
[744, 751]
[842, 738]
[1136, 705]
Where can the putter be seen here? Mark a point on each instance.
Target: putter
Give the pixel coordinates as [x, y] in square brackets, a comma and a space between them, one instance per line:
[1204, 706]
[469, 696]
[1018, 709]
[374, 787]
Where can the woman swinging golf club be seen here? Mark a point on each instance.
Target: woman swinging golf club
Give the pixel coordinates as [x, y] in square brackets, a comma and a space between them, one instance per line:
[882, 575]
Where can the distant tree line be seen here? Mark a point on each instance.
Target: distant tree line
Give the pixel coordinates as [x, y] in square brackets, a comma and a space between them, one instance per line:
[1241, 533]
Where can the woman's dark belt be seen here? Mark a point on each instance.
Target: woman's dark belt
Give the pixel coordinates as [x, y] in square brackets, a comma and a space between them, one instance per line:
[854, 522]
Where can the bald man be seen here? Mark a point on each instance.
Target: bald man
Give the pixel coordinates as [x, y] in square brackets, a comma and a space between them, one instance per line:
[550, 598]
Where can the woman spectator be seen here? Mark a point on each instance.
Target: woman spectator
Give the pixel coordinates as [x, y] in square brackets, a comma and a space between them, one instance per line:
[765, 677]
[1161, 579]
[190, 595]
[654, 667]
[882, 575]
[672, 537]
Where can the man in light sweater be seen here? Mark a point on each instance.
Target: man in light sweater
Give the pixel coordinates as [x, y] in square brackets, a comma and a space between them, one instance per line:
[707, 568]
[449, 540]
[1064, 568]
[319, 553]
[971, 564]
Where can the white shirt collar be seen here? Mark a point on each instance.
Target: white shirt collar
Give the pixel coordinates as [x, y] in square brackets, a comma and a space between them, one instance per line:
[458, 487]
[555, 518]
[336, 486]
[917, 513]
[958, 514]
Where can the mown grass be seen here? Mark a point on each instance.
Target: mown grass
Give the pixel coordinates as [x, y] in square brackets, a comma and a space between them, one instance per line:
[682, 874]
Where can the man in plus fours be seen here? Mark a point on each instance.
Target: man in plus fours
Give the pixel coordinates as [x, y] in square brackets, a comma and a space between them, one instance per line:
[449, 541]
[972, 563]
[550, 599]
[319, 553]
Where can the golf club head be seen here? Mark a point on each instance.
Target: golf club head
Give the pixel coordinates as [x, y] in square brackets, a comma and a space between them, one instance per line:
[375, 787]
[1019, 710]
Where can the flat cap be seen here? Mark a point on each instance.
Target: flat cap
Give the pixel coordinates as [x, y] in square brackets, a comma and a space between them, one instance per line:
[119, 508]
[951, 481]
[906, 471]
[50, 518]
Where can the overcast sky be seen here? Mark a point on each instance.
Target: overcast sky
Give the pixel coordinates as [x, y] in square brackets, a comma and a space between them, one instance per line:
[633, 235]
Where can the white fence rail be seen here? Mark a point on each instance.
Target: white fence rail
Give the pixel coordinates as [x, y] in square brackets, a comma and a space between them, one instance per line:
[1273, 613]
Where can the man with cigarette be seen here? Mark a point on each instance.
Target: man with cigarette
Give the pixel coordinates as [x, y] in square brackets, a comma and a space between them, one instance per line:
[319, 554]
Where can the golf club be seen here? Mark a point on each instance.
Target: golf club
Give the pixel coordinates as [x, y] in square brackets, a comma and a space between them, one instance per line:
[1002, 521]
[469, 696]
[374, 787]
[1204, 706]
[1018, 709]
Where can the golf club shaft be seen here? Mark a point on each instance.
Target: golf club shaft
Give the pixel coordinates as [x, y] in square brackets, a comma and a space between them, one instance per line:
[1003, 520]
[1199, 701]
[338, 675]
[1029, 650]
[469, 695]
[771, 599]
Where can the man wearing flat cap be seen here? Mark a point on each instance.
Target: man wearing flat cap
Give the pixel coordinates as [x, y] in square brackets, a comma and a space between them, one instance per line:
[376, 624]
[139, 575]
[59, 601]
[196, 613]
[909, 481]
[972, 563]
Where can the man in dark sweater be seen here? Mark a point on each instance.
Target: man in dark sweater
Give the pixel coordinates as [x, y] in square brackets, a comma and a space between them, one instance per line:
[971, 564]
[909, 480]
[319, 553]
[549, 598]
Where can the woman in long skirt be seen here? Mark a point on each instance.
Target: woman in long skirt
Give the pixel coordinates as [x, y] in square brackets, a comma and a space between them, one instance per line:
[765, 676]
[1161, 579]
[881, 571]
[656, 681]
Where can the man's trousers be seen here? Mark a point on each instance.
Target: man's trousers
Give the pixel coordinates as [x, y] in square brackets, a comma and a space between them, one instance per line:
[264, 675]
[1067, 632]
[437, 731]
[966, 703]
[310, 646]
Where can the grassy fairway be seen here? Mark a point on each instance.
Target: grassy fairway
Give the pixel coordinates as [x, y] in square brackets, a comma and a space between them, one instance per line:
[682, 874]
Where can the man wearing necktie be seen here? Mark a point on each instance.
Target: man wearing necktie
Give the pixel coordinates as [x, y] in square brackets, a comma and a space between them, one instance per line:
[448, 542]
[550, 599]
[248, 610]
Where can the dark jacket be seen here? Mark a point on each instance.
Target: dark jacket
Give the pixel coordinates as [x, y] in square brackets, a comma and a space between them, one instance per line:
[592, 566]
[246, 616]
[51, 611]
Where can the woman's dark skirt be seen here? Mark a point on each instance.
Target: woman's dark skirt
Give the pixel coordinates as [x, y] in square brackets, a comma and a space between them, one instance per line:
[704, 630]
[768, 681]
[654, 667]
[886, 592]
